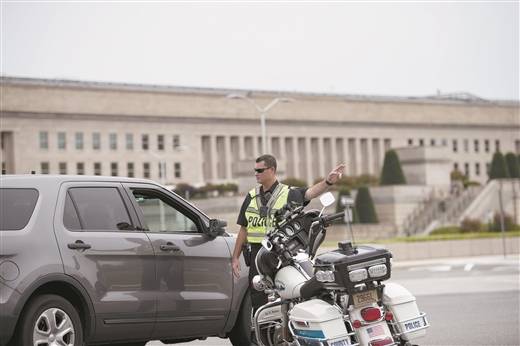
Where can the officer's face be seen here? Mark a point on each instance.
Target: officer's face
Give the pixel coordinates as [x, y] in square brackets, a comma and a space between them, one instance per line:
[262, 172]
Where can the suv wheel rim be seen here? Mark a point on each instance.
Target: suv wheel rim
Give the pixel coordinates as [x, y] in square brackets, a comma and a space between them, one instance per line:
[53, 328]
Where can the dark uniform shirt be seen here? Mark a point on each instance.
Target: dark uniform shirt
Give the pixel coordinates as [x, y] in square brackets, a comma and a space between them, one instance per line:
[295, 195]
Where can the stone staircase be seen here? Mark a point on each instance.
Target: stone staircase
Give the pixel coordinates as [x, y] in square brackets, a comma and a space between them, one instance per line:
[437, 212]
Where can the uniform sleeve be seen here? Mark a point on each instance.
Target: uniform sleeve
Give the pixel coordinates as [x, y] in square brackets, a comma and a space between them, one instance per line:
[242, 221]
[297, 194]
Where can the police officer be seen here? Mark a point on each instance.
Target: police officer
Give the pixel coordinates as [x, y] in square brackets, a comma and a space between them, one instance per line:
[258, 209]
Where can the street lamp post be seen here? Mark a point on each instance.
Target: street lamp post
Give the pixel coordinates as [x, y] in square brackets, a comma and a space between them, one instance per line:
[263, 113]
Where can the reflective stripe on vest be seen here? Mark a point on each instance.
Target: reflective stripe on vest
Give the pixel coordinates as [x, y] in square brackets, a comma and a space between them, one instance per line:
[257, 226]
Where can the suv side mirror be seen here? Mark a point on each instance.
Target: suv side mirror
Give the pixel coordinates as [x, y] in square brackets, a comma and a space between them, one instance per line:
[216, 227]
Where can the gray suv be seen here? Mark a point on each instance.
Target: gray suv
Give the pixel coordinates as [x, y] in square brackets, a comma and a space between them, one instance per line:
[109, 260]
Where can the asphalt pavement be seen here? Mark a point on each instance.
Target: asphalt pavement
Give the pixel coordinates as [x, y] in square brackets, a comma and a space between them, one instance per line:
[468, 301]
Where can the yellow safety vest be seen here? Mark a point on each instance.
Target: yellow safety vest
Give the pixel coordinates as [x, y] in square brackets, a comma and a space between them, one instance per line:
[257, 226]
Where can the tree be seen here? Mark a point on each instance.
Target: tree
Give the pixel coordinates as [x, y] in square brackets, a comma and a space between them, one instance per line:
[392, 174]
[343, 191]
[365, 211]
[513, 165]
[498, 167]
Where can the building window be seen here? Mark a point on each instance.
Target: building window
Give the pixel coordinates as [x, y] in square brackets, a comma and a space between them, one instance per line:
[476, 145]
[455, 166]
[130, 169]
[44, 167]
[44, 140]
[477, 169]
[466, 169]
[488, 168]
[113, 141]
[129, 141]
[146, 169]
[160, 142]
[97, 168]
[79, 140]
[113, 169]
[486, 145]
[432, 142]
[162, 170]
[63, 167]
[3, 167]
[421, 142]
[497, 145]
[466, 145]
[80, 168]
[444, 142]
[96, 141]
[455, 146]
[410, 141]
[144, 141]
[62, 143]
[176, 141]
[177, 169]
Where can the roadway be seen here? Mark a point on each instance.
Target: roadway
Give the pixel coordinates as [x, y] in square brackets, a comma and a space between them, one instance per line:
[469, 301]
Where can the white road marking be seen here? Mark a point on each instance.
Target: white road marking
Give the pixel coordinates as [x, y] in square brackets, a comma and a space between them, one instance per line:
[468, 267]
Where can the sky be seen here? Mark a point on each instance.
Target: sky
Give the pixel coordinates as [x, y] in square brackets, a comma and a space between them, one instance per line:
[369, 48]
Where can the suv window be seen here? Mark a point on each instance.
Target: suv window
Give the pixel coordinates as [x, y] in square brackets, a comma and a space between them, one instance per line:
[16, 207]
[70, 215]
[96, 208]
[160, 214]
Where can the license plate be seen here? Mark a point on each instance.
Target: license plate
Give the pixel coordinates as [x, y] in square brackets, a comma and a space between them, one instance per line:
[365, 298]
[410, 326]
[340, 343]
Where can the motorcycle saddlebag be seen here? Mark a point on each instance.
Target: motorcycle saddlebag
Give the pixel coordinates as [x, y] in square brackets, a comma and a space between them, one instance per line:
[316, 322]
[408, 320]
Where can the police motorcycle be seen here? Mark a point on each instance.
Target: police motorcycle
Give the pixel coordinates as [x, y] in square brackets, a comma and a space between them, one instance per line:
[336, 298]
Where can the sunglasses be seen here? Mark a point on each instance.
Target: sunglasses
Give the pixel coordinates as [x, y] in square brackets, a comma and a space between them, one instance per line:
[261, 170]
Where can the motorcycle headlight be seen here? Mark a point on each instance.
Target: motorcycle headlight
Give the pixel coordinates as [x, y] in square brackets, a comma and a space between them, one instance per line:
[325, 276]
[377, 271]
[358, 275]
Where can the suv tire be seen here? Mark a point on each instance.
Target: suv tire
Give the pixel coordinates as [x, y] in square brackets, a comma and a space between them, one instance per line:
[53, 315]
[241, 334]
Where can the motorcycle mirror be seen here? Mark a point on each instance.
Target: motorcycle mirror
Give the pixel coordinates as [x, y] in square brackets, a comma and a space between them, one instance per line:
[327, 199]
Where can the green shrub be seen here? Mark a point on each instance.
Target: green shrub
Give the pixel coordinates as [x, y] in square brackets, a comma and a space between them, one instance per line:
[509, 224]
[185, 190]
[291, 181]
[365, 211]
[355, 182]
[392, 174]
[470, 225]
[513, 165]
[498, 167]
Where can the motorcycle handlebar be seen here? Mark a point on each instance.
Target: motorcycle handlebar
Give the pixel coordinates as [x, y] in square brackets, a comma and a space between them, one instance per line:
[329, 218]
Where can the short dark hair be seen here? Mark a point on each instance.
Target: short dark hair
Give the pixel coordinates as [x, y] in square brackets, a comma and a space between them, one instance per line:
[269, 160]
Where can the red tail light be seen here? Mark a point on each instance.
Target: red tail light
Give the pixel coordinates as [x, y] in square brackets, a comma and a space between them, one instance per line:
[371, 314]
[356, 324]
[381, 342]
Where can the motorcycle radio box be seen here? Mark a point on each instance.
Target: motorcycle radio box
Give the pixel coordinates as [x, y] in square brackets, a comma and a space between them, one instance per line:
[355, 265]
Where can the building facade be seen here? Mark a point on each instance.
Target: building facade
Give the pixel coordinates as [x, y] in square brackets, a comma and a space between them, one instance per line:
[196, 136]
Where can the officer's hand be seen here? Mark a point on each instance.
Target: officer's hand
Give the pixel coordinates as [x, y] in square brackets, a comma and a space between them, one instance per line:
[235, 264]
[336, 173]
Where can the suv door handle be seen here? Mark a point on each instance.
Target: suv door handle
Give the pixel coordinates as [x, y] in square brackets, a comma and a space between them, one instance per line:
[169, 247]
[78, 245]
